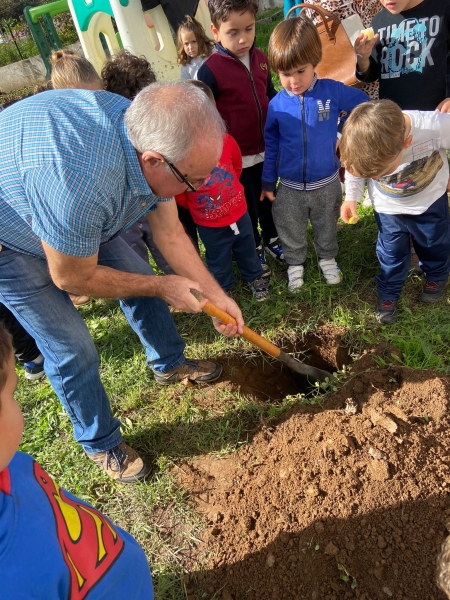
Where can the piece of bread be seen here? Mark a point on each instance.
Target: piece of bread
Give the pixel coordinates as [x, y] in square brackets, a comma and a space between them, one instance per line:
[369, 33]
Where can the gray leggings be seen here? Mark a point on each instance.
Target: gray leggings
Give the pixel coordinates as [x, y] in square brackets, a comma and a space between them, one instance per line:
[291, 211]
[139, 237]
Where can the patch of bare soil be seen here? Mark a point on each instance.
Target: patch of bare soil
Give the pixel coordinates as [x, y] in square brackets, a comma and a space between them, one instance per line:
[346, 502]
[266, 378]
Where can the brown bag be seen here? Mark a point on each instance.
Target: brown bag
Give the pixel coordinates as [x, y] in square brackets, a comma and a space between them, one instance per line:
[338, 57]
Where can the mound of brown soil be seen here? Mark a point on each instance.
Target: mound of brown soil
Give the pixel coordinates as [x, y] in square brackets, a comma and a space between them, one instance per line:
[346, 502]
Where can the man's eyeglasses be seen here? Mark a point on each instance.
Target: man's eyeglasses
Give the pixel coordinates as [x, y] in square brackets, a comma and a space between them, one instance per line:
[194, 186]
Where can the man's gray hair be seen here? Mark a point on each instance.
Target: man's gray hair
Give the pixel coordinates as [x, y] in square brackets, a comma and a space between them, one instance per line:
[170, 117]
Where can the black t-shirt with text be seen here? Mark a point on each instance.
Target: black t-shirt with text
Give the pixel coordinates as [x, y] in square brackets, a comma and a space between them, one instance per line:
[410, 60]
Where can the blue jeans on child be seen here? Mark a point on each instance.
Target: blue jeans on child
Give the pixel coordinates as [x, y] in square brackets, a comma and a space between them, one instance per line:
[71, 359]
[221, 242]
[430, 234]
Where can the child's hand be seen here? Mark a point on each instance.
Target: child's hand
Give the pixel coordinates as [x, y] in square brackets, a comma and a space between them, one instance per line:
[348, 210]
[269, 195]
[363, 47]
[444, 106]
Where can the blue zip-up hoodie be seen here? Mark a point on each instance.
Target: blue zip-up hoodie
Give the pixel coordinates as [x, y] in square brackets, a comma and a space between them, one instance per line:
[301, 132]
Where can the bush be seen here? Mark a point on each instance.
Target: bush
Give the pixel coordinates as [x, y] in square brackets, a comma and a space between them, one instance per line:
[9, 52]
[66, 29]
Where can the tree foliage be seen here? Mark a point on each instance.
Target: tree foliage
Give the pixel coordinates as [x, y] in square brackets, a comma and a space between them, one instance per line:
[13, 9]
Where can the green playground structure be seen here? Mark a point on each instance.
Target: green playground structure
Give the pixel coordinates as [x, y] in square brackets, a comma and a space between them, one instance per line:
[42, 28]
[40, 22]
[105, 26]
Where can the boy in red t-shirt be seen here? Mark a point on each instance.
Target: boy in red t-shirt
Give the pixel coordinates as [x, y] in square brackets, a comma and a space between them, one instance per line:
[219, 210]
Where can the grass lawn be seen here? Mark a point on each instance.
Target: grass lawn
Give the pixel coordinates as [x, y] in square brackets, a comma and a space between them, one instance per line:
[175, 423]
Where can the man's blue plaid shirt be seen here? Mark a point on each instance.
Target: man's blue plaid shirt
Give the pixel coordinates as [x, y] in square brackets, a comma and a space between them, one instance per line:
[68, 173]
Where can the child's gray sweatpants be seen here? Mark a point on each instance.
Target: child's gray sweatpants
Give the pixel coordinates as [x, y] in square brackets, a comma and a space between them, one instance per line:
[291, 211]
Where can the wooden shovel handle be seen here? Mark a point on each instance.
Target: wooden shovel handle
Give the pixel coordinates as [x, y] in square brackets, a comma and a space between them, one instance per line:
[214, 311]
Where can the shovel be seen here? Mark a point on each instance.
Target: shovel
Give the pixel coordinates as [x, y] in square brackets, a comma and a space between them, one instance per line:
[295, 365]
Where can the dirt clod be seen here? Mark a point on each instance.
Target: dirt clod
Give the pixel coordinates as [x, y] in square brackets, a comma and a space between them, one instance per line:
[270, 560]
[383, 421]
[351, 407]
[377, 454]
[331, 549]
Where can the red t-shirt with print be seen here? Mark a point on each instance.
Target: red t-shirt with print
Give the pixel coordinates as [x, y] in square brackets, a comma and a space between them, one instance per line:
[221, 200]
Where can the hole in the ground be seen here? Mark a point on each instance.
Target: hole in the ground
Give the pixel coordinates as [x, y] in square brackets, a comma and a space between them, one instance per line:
[266, 378]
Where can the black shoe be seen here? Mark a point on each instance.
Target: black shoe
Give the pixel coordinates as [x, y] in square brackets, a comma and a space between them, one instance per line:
[433, 291]
[386, 312]
[263, 261]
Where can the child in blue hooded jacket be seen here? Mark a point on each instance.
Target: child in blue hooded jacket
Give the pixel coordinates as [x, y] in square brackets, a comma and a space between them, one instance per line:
[301, 134]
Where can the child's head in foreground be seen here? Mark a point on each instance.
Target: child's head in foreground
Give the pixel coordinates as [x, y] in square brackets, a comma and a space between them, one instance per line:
[126, 74]
[233, 24]
[373, 139]
[192, 41]
[11, 419]
[72, 71]
[295, 51]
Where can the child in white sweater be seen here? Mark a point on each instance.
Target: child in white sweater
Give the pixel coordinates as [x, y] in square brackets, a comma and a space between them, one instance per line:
[403, 155]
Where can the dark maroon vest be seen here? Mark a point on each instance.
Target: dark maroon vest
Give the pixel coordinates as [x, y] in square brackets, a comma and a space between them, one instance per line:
[242, 101]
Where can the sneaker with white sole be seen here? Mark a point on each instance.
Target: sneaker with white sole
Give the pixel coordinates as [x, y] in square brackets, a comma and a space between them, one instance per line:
[260, 288]
[295, 277]
[34, 369]
[330, 271]
[275, 249]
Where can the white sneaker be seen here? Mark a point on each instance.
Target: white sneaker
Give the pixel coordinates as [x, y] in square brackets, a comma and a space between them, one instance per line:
[295, 276]
[330, 271]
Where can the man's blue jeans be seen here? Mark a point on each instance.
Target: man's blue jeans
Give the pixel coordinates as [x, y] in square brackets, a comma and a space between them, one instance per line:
[71, 359]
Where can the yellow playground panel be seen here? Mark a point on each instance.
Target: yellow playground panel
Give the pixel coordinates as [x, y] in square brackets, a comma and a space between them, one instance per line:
[93, 21]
